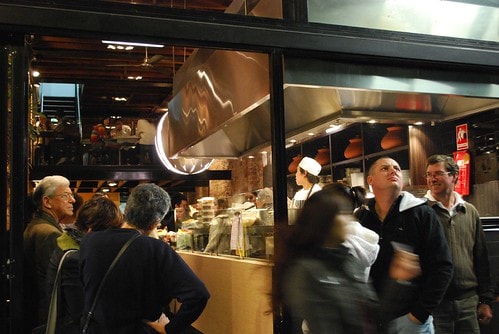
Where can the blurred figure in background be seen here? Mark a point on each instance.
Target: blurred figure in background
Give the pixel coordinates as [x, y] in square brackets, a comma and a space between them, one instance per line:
[470, 293]
[54, 201]
[219, 233]
[97, 214]
[317, 279]
[121, 130]
[178, 213]
[146, 130]
[264, 199]
[100, 131]
[307, 176]
[411, 234]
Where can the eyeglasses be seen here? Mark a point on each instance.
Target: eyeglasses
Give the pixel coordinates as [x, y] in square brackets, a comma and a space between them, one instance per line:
[66, 196]
[438, 174]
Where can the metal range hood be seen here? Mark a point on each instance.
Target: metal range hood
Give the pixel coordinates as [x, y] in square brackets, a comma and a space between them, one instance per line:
[221, 103]
[225, 111]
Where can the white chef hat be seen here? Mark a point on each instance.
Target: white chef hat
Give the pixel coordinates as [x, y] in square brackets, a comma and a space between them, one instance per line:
[310, 165]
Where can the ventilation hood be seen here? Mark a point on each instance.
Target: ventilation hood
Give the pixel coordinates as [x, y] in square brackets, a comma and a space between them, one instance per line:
[221, 105]
[224, 110]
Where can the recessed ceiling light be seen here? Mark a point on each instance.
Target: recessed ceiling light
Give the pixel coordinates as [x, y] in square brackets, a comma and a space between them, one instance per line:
[133, 43]
[120, 98]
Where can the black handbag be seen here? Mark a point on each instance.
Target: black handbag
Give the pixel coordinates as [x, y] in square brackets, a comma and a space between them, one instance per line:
[54, 326]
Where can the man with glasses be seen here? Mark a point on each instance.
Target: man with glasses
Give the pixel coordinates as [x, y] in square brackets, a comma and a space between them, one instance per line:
[408, 229]
[53, 201]
[468, 298]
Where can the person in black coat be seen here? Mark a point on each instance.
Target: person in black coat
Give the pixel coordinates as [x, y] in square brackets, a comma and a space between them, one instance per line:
[145, 279]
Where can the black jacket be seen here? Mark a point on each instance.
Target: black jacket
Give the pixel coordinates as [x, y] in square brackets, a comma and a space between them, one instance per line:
[413, 223]
[146, 278]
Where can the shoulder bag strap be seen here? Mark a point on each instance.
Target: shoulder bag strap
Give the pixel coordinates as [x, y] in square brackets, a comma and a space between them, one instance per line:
[97, 295]
[52, 316]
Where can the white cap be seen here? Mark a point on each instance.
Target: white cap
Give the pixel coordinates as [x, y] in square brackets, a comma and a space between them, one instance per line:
[310, 165]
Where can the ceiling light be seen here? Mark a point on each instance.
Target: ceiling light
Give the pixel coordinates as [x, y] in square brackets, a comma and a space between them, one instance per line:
[120, 98]
[111, 47]
[105, 190]
[111, 183]
[418, 123]
[372, 121]
[133, 43]
[333, 128]
[310, 134]
[35, 74]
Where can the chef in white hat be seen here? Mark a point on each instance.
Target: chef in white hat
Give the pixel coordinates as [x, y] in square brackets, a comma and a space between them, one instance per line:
[307, 176]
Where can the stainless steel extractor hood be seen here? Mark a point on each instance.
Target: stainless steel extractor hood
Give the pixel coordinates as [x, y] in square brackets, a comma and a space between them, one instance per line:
[221, 102]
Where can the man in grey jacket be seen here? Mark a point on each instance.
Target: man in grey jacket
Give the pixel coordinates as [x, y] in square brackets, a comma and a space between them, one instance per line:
[404, 221]
[54, 201]
[468, 299]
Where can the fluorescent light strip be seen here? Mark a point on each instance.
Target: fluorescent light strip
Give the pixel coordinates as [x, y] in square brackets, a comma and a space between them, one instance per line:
[134, 44]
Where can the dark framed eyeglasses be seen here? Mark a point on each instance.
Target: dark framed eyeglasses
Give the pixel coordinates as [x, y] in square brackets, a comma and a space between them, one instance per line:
[437, 175]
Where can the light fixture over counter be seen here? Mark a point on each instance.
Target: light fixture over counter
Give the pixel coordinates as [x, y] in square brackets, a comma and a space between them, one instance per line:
[180, 165]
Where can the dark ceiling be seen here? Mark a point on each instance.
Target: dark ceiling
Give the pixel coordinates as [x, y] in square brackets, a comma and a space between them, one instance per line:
[103, 73]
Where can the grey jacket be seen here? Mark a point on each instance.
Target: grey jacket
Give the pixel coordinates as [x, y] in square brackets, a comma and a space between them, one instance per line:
[329, 292]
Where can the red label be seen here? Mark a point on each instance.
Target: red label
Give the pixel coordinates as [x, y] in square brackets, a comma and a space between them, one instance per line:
[462, 137]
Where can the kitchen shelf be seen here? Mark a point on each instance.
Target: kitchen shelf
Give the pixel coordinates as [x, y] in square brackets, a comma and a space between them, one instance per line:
[338, 142]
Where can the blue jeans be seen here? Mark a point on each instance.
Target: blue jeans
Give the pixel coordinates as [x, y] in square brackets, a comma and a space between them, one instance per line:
[457, 316]
[404, 325]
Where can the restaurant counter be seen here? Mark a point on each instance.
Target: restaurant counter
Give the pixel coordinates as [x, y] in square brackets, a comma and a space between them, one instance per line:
[240, 293]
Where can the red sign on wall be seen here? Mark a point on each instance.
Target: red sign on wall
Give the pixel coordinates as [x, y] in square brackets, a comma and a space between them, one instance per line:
[462, 137]
[462, 159]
